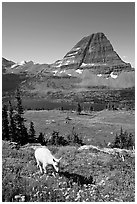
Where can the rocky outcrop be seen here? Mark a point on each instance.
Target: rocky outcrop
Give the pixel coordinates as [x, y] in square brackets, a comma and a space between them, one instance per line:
[6, 64]
[111, 151]
[96, 53]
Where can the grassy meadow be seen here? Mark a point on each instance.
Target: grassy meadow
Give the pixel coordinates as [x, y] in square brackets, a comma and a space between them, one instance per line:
[95, 128]
[114, 179]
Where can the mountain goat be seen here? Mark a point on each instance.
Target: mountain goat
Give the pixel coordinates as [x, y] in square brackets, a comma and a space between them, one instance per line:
[44, 157]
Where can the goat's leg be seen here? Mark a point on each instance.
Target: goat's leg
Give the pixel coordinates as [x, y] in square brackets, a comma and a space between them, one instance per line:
[44, 168]
[39, 166]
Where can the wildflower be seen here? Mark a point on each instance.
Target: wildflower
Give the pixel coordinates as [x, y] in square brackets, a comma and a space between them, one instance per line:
[67, 197]
[106, 196]
[102, 183]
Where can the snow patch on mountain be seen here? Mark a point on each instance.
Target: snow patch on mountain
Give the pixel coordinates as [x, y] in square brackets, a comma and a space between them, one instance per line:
[18, 64]
[71, 55]
[86, 65]
[14, 65]
[22, 62]
[92, 64]
[59, 65]
[75, 48]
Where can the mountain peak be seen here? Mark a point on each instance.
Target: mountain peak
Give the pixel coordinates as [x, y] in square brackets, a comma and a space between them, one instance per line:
[98, 34]
[94, 51]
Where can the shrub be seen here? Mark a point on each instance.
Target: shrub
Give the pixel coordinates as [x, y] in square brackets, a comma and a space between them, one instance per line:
[41, 139]
[91, 108]
[73, 138]
[79, 109]
[124, 140]
[56, 139]
[31, 134]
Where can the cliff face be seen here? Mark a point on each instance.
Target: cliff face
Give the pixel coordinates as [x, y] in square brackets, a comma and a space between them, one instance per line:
[101, 51]
[94, 52]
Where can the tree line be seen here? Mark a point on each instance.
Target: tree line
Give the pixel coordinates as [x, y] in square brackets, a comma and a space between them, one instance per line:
[14, 129]
[13, 123]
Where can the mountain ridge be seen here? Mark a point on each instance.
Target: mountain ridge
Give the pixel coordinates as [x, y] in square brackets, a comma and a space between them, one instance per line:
[6, 64]
[93, 51]
[92, 62]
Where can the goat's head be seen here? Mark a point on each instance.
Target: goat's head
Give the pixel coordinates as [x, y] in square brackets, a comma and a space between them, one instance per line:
[56, 163]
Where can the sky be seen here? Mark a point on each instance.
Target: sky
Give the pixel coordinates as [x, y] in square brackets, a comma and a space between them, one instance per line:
[45, 31]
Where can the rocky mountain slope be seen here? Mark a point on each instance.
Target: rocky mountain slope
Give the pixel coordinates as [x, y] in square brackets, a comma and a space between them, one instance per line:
[25, 68]
[92, 62]
[6, 64]
[93, 52]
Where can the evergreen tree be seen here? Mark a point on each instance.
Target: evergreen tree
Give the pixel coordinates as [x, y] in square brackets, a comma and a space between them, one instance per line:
[91, 108]
[5, 123]
[74, 139]
[31, 134]
[19, 103]
[117, 142]
[12, 124]
[109, 105]
[21, 129]
[130, 141]
[55, 138]
[24, 135]
[123, 138]
[79, 109]
[41, 139]
[121, 131]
